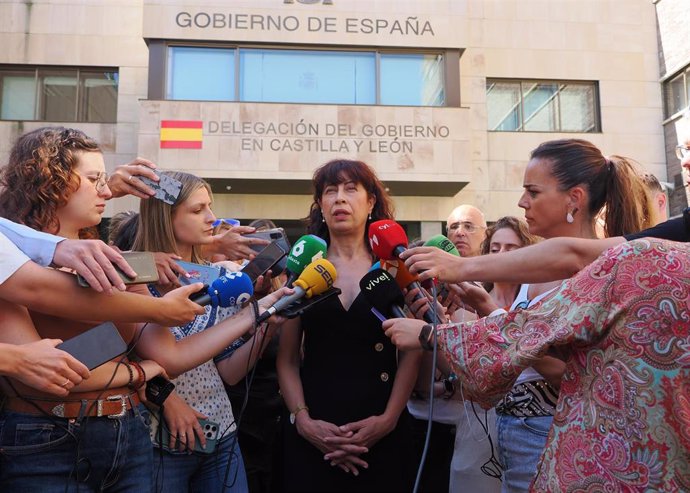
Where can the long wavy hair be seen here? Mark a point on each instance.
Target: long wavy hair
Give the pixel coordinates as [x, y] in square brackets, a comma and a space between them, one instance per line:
[155, 232]
[340, 171]
[40, 176]
[613, 182]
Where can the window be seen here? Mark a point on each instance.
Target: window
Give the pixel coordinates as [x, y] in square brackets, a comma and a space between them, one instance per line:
[542, 106]
[58, 94]
[677, 93]
[305, 76]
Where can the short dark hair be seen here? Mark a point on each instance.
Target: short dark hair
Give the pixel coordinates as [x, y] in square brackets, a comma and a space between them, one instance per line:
[340, 171]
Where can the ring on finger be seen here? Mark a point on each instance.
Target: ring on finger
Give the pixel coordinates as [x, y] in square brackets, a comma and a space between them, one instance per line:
[130, 178]
[65, 384]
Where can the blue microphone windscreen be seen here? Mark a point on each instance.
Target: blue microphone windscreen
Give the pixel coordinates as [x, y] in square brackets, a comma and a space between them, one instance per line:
[232, 289]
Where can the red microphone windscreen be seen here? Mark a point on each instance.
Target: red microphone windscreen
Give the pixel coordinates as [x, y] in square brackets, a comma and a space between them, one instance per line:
[386, 236]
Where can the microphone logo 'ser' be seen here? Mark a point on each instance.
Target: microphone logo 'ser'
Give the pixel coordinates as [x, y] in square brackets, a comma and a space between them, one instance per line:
[324, 274]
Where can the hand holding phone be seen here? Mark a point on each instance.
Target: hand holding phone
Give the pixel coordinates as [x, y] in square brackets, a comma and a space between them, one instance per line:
[167, 188]
[143, 263]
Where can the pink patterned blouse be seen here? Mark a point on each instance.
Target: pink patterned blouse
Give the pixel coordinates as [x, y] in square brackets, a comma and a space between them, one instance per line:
[622, 325]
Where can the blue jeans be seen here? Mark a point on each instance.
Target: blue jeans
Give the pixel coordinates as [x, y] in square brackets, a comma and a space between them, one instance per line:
[49, 454]
[203, 473]
[520, 444]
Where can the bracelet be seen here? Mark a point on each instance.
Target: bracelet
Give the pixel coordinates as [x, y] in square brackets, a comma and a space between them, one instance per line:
[141, 375]
[425, 336]
[255, 309]
[449, 388]
[131, 373]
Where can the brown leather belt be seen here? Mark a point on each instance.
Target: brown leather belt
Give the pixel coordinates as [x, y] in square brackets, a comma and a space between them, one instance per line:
[111, 405]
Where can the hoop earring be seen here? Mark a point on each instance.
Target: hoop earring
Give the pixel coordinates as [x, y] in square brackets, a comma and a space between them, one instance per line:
[569, 218]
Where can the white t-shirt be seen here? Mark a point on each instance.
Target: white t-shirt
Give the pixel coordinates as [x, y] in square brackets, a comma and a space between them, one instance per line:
[11, 258]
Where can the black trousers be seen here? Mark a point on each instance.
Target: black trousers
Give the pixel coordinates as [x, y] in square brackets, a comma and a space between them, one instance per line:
[436, 474]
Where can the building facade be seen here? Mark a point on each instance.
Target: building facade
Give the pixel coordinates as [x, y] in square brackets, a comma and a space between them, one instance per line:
[444, 98]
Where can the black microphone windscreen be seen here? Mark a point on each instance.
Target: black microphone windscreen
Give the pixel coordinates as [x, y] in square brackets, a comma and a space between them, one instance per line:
[382, 292]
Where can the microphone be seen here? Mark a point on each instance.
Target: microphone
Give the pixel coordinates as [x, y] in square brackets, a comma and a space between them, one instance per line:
[387, 239]
[442, 242]
[381, 291]
[316, 278]
[231, 289]
[405, 279]
[305, 251]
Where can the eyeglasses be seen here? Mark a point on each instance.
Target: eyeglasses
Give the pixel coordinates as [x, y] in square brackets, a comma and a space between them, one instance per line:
[99, 181]
[465, 226]
[682, 151]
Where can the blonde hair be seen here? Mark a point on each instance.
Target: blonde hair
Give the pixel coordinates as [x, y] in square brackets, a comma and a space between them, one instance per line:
[155, 232]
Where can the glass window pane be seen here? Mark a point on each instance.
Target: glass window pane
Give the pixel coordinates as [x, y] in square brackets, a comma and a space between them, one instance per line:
[307, 76]
[58, 95]
[577, 104]
[18, 99]
[206, 74]
[540, 104]
[503, 106]
[687, 87]
[98, 93]
[675, 91]
[414, 80]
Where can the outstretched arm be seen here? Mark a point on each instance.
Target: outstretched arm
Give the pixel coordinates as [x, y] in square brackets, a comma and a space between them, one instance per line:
[557, 258]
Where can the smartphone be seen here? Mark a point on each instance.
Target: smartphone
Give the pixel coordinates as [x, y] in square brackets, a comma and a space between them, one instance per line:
[143, 264]
[275, 234]
[96, 346]
[298, 307]
[167, 189]
[210, 431]
[198, 273]
[266, 259]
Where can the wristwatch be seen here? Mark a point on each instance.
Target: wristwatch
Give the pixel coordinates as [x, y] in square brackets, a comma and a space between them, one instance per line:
[425, 337]
[293, 414]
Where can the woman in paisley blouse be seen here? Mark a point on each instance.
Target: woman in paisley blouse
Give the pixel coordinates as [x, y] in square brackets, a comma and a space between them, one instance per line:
[622, 326]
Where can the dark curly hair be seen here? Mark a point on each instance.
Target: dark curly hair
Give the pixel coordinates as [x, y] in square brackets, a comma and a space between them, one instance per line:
[40, 175]
[340, 171]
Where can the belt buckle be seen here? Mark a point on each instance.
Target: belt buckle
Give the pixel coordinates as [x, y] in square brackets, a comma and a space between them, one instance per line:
[116, 397]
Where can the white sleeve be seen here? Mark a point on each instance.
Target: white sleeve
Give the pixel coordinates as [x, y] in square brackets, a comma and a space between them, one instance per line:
[11, 258]
[39, 247]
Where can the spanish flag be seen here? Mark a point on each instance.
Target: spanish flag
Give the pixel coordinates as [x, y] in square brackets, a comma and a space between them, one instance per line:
[181, 134]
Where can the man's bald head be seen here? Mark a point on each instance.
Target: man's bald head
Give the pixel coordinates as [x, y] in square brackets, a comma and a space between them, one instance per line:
[466, 227]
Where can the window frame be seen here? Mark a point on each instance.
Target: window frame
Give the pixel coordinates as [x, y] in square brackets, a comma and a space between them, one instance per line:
[558, 82]
[683, 73]
[79, 109]
[159, 57]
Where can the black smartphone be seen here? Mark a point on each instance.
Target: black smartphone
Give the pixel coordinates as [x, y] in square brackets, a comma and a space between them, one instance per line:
[96, 346]
[266, 259]
[158, 389]
[298, 307]
[167, 188]
[275, 234]
[143, 264]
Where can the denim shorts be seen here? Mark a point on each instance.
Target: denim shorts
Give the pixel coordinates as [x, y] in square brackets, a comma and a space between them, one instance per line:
[50, 454]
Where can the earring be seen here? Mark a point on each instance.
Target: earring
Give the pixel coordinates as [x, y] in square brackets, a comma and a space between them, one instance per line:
[370, 216]
[323, 219]
[569, 218]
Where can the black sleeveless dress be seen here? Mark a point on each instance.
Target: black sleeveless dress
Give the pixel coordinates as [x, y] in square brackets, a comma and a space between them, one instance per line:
[347, 374]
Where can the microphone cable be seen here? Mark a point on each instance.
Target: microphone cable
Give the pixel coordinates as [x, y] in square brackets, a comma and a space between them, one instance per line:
[434, 355]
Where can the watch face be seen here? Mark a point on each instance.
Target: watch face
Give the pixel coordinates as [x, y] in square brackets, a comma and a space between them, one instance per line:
[292, 418]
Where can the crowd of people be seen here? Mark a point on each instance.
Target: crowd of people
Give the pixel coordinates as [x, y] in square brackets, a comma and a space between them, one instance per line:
[567, 369]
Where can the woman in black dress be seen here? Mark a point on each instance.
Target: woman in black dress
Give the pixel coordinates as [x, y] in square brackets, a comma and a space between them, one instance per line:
[344, 385]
